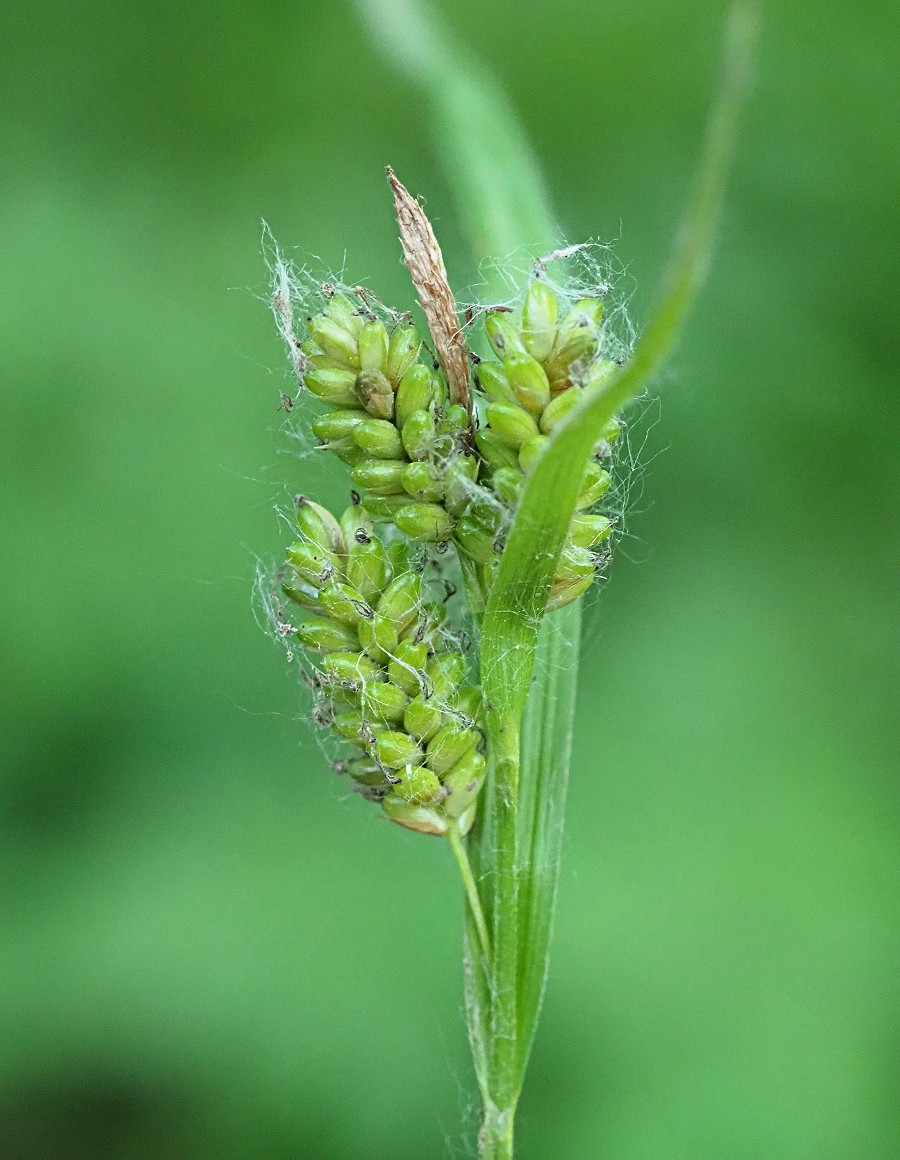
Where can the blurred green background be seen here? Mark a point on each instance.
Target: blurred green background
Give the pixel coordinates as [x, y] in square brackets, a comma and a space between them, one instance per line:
[209, 949]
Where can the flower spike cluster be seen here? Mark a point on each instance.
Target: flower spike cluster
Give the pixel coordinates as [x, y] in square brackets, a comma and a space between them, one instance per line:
[390, 680]
[544, 363]
[405, 444]
[392, 684]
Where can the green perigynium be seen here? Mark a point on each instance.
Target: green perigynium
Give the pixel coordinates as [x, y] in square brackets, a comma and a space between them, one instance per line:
[392, 423]
[546, 358]
[389, 680]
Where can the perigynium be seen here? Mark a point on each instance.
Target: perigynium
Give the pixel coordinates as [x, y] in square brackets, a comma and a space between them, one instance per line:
[480, 451]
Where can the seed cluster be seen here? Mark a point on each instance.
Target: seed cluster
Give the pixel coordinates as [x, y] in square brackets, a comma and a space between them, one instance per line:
[392, 683]
[390, 679]
[405, 443]
[544, 363]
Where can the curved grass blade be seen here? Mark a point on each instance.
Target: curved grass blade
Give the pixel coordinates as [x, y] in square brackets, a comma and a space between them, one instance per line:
[518, 601]
[502, 199]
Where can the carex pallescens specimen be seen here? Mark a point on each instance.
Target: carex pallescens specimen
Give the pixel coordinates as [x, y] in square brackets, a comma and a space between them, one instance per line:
[521, 513]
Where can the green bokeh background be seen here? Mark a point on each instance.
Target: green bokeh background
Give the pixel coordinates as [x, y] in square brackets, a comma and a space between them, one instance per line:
[209, 949]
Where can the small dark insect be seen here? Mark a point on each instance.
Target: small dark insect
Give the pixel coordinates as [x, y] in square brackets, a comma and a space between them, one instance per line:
[286, 404]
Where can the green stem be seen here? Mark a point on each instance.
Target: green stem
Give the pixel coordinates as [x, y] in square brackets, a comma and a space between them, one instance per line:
[504, 1077]
[458, 846]
[496, 1139]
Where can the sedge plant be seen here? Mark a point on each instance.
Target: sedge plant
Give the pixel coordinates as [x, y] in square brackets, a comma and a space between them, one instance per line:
[437, 618]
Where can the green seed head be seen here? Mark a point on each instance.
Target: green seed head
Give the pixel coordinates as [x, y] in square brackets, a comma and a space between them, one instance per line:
[596, 484]
[463, 782]
[508, 483]
[406, 667]
[422, 717]
[558, 409]
[356, 525]
[563, 592]
[449, 745]
[445, 673]
[530, 452]
[343, 603]
[365, 772]
[474, 539]
[351, 727]
[367, 567]
[350, 668]
[423, 482]
[588, 531]
[529, 382]
[494, 451]
[384, 701]
[348, 452]
[455, 420]
[459, 475]
[401, 600]
[378, 637]
[342, 311]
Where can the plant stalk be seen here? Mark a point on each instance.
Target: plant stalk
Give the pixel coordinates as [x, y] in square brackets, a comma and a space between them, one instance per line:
[458, 846]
